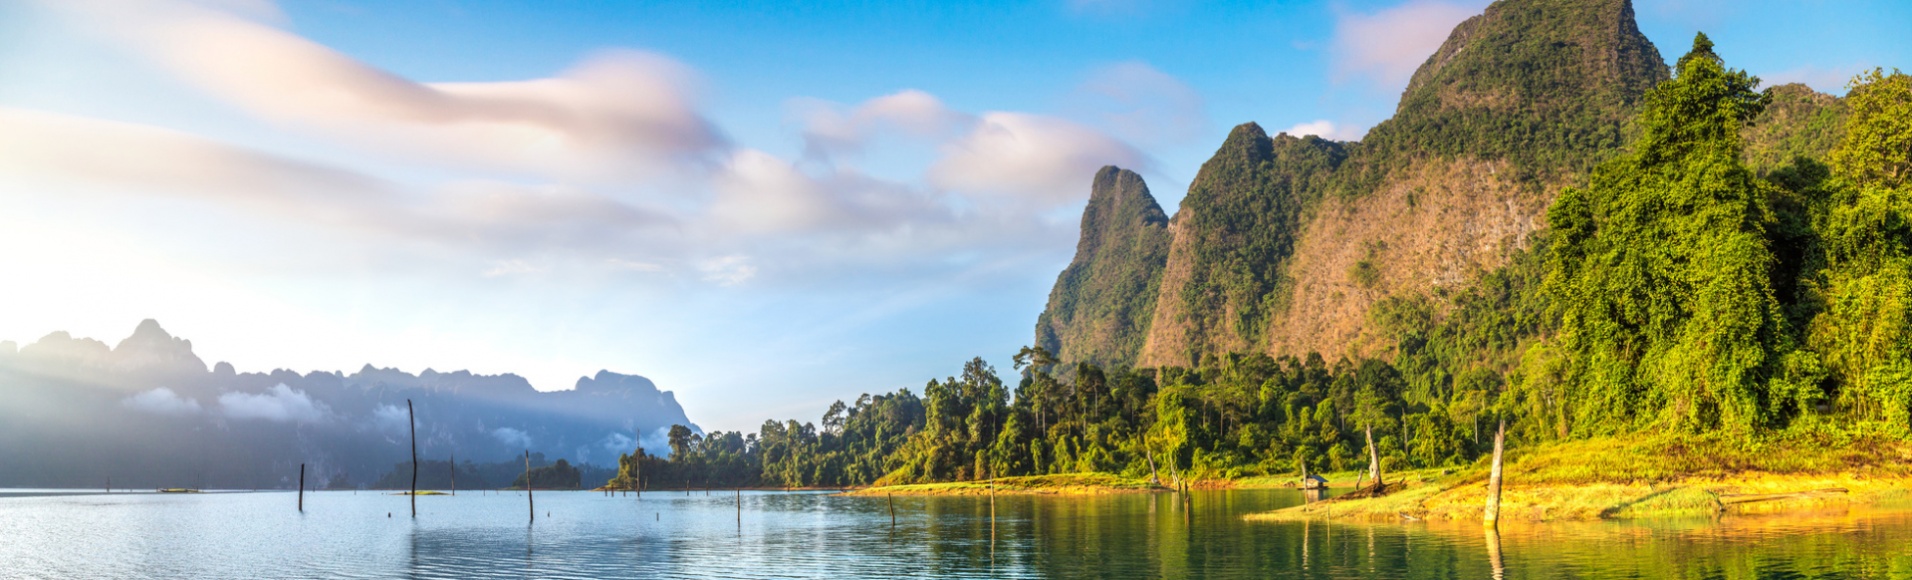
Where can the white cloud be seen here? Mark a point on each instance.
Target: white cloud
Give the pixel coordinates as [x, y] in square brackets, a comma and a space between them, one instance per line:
[280, 404]
[1386, 47]
[1141, 104]
[618, 443]
[830, 128]
[513, 267]
[657, 442]
[64, 153]
[123, 156]
[728, 270]
[1040, 158]
[1326, 129]
[391, 418]
[512, 437]
[527, 189]
[615, 115]
[161, 401]
[759, 193]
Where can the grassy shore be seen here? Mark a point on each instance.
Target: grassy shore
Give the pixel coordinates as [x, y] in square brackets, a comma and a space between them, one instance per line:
[1647, 477]
[1058, 484]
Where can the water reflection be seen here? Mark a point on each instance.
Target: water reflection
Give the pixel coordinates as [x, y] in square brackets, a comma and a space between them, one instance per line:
[1194, 535]
[1493, 552]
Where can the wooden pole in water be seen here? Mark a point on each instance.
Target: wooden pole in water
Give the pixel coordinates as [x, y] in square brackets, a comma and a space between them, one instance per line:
[413, 419]
[740, 507]
[1492, 515]
[302, 488]
[892, 509]
[530, 503]
[454, 473]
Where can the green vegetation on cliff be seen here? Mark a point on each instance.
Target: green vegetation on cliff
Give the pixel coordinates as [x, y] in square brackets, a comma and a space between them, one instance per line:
[1548, 85]
[1542, 89]
[1099, 310]
[1235, 232]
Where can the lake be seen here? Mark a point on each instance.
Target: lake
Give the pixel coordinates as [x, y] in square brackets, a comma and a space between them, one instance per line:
[50, 534]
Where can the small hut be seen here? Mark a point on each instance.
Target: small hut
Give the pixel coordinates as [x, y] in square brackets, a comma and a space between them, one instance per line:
[1313, 481]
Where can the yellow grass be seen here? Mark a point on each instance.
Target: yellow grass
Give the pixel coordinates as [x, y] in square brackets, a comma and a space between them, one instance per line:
[1645, 477]
[1057, 484]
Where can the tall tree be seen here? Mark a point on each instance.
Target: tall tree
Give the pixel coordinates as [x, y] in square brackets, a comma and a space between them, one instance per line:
[1660, 268]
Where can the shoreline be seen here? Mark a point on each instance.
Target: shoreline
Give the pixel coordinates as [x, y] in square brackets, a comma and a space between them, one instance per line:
[1615, 479]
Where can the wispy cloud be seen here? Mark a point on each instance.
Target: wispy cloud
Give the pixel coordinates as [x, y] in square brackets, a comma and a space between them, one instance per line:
[1142, 104]
[728, 270]
[1326, 129]
[162, 401]
[1386, 46]
[1039, 158]
[614, 115]
[510, 436]
[832, 129]
[281, 404]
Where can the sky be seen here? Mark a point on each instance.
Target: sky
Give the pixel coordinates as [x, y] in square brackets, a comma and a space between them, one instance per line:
[762, 206]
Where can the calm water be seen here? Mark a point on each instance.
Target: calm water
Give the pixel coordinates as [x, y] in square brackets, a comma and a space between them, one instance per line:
[809, 535]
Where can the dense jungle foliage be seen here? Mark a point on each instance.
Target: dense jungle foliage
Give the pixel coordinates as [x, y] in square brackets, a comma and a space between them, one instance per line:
[1678, 292]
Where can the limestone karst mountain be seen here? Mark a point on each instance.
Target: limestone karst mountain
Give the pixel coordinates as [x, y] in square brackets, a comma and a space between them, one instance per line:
[1286, 245]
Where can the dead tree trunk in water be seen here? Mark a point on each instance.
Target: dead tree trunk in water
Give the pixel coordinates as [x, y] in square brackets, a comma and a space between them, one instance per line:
[413, 419]
[1154, 478]
[302, 488]
[1374, 458]
[1492, 516]
[528, 502]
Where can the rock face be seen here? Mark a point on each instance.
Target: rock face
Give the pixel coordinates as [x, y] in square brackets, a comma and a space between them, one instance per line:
[1283, 244]
[1099, 310]
[1234, 235]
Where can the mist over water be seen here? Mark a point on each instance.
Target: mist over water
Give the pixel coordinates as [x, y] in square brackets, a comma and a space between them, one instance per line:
[816, 535]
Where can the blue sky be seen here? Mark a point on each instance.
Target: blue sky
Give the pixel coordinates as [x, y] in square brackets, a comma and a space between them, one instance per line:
[762, 206]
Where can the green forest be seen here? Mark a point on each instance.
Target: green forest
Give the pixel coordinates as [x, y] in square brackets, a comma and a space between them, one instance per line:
[1680, 290]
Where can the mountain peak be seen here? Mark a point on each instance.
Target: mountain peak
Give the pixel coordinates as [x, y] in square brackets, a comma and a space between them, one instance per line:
[1118, 201]
[152, 347]
[1535, 82]
[1098, 310]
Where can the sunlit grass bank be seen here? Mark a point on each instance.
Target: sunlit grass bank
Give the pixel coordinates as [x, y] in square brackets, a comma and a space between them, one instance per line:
[1058, 484]
[1648, 477]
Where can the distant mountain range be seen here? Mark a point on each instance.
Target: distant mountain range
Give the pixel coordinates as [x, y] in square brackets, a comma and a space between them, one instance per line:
[149, 413]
